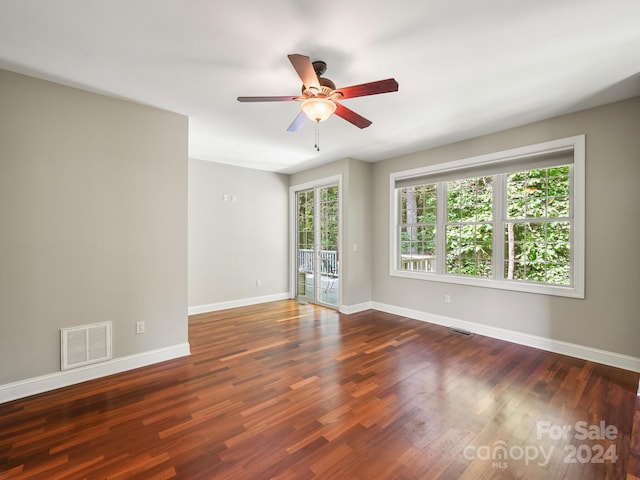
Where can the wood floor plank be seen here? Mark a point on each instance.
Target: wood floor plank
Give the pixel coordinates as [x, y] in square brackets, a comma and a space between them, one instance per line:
[288, 391]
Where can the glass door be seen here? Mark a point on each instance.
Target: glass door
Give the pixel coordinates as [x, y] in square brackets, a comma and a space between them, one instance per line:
[305, 249]
[317, 262]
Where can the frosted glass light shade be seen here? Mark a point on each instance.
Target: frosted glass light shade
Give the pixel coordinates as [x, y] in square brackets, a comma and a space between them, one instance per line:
[318, 109]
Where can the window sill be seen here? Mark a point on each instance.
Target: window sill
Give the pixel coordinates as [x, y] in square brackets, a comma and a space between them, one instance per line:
[513, 285]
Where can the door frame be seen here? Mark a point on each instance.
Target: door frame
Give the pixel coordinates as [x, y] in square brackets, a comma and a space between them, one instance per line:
[293, 228]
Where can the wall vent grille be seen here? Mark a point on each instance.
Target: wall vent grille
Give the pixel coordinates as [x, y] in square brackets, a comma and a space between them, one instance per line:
[460, 331]
[85, 344]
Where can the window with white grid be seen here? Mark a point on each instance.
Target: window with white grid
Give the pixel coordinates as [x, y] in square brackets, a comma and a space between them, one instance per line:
[511, 220]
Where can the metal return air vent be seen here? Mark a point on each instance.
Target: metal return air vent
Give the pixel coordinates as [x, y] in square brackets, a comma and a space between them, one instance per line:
[85, 344]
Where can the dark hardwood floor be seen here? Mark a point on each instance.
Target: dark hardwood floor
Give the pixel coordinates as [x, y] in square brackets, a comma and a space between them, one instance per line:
[285, 391]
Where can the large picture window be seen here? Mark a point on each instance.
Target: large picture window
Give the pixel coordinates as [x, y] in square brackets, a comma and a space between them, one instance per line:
[511, 220]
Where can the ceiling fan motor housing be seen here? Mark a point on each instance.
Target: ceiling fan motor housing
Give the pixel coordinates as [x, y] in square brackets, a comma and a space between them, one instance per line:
[319, 67]
[327, 85]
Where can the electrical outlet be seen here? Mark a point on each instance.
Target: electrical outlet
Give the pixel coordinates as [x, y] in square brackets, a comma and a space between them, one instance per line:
[258, 283]
[139, 327]
[447, 298]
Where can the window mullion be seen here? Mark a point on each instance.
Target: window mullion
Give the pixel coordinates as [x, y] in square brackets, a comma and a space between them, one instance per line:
[441, 213]
[499, 217]
[397, 240]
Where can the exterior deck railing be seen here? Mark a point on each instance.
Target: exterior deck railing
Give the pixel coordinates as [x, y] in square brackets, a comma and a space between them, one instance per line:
[328, 261]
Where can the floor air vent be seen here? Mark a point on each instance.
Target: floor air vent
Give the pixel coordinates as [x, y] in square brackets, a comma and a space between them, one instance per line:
[459, 331]
[85, 344]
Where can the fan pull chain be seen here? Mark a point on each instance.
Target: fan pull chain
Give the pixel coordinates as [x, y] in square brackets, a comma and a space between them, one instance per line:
[317, 145]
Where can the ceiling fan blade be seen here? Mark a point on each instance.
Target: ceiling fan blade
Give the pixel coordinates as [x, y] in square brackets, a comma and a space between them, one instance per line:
[372, 88]
[305, 70]
[351, 116]
[298, 123]
[268, 99]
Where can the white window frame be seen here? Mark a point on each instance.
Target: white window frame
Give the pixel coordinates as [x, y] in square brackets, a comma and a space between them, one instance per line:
[293, 228]
[575, 290]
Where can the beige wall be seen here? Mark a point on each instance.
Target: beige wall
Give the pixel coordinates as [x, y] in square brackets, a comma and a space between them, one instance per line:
[235, 243]
[93, 222]
[608, 318]
[93, 215]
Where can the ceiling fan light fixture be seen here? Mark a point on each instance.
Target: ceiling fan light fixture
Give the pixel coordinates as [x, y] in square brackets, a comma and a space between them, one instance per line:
[319, 95]
[318, 109]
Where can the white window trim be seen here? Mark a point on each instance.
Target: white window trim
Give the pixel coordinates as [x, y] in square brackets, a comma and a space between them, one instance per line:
[577, 143]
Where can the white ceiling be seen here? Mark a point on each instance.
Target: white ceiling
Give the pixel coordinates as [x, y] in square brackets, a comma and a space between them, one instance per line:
[465, 67]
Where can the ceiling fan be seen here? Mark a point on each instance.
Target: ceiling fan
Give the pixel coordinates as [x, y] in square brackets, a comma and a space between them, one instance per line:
[320, 96]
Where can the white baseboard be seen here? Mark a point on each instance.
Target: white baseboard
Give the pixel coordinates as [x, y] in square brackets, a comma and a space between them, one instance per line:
[360, 307]
[557, 346]
[243, 302]
[44, 383]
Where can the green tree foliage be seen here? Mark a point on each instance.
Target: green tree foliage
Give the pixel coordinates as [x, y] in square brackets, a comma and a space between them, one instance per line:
[306, 220]
[329, 204]
[418, 229]
[538, 235]
[469, 231]
[419, 217]
[328, 218]
[537, 230]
